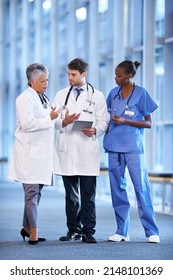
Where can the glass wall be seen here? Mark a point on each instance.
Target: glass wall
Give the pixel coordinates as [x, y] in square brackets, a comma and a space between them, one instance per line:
[103, 32]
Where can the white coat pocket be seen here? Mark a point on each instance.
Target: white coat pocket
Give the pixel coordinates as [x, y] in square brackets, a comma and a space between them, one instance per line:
[37, 151]
[89, 145]
[61, 145]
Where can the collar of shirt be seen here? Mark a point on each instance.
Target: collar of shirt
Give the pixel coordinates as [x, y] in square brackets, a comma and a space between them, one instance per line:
[83, 88]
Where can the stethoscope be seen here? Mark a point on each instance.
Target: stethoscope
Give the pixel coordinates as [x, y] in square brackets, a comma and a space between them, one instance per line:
[119, 97]
[89, 98]
[45, 101]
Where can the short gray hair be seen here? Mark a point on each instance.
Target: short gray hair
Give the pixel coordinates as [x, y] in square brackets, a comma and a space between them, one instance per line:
[33, 71]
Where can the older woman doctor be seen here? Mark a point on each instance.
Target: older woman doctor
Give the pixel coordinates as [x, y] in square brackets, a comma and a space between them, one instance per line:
[32, 157]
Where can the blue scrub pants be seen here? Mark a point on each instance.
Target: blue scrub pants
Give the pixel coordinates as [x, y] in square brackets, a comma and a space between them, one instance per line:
[139, 176]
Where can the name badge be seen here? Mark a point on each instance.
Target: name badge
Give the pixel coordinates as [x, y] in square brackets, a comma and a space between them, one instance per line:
[129, 113]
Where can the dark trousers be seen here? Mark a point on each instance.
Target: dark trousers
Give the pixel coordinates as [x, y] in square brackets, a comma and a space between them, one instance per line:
[80, 203]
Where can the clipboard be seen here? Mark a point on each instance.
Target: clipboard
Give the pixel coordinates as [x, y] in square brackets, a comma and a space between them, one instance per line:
[79, 125]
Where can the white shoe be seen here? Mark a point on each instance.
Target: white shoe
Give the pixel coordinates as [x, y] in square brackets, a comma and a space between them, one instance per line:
[118, 238]
[154, 239]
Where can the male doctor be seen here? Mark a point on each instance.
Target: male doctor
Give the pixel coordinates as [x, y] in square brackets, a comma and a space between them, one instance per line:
[77, 152]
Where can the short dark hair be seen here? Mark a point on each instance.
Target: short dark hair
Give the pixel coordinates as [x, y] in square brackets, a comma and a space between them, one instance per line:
[129, 66]
[78, 64]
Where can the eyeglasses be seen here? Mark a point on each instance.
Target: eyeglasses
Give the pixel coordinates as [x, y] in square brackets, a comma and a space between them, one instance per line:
[88, 109]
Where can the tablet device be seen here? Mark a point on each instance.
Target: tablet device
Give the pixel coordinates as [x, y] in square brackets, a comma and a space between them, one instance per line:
[79, 125]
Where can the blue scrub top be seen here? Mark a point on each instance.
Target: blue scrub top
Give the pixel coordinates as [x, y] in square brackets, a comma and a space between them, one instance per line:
[125, 138]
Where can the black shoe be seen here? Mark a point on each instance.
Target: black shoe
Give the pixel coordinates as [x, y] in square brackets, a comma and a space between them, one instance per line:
[25, 234]
[88, 238]
[33, 242]
[71, 236]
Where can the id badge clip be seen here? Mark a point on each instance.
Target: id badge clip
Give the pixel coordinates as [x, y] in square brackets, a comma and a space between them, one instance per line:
[129, 112]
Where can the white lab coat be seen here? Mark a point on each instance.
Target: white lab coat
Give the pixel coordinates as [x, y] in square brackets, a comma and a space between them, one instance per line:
[32, 156]
[75, 153]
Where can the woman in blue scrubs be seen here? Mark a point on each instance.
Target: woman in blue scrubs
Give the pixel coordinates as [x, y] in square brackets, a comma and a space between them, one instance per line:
[130, 108]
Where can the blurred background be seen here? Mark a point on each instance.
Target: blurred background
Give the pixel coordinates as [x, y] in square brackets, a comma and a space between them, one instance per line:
[102, 32]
